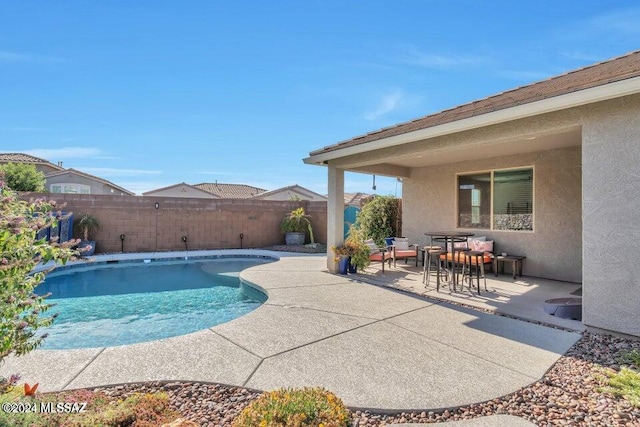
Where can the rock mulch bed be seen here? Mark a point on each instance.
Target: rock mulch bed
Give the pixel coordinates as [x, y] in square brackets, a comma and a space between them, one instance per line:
[567, 395]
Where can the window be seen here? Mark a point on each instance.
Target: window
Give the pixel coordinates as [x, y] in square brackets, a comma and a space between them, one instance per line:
[70, 188]
[496, 200]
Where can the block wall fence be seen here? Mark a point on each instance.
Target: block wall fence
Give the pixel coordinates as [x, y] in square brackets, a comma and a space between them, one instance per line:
[208, 224]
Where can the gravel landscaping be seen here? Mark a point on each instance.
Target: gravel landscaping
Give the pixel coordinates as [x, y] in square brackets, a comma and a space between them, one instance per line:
[569, 394]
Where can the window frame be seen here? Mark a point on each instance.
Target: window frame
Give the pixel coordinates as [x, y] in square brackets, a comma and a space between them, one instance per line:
[491, 172]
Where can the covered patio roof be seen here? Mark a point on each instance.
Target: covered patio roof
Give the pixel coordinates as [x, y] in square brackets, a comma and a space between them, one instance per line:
[602, 81]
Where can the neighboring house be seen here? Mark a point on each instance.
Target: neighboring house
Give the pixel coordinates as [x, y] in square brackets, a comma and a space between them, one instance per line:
[41, 165]
[230, 191]
[292, 192]
[181, 190]
[356, 199]
[61, 180]
[548, 170]
[76, 182]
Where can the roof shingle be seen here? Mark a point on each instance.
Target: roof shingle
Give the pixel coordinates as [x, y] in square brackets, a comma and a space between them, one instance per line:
[610, 71]
[230, 191]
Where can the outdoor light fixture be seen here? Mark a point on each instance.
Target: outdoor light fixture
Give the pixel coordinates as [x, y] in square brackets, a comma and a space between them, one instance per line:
[157, 205]
[122, 242]
[241, 237]
[374, 182]
[184, 239]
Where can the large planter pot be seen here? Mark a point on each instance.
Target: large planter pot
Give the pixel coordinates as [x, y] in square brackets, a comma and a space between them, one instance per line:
[294, 238]
[343, 265]
[352, 268]
[85, 243]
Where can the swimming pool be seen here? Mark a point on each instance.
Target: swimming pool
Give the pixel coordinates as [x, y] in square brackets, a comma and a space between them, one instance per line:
[110, 304]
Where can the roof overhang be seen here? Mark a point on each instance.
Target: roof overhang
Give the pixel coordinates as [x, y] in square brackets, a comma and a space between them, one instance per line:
[575, 99]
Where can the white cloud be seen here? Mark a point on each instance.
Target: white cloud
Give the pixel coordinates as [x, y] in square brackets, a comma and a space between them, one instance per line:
[389, 102]
[25, 129]
[111, 172]
[620, 21]
[65, 152]
[414, 56]
[6, 56]
[524, 75]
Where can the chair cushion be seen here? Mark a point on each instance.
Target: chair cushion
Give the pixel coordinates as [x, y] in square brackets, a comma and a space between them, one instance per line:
[373, 248]
[378, 256]
[405, 253]
[401, 243]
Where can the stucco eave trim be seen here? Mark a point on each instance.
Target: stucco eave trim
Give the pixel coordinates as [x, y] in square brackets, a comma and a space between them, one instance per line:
[587, 96]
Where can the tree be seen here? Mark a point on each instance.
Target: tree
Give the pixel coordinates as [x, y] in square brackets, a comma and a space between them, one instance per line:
[21, 309]
[378, 218]
[23, 177]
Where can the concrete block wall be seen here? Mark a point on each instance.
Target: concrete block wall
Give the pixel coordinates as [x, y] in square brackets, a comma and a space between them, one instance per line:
[208, 224]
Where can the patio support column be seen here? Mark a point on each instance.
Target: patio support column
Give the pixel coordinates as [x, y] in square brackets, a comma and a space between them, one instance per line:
[335, 213]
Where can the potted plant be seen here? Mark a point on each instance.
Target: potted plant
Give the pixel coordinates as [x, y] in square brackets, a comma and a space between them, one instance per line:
[295, 226]
[88, 224]
[359, 251]
[342, 255]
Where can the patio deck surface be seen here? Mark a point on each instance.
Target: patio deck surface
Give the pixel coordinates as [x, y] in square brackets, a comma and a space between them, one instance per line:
[374, 347]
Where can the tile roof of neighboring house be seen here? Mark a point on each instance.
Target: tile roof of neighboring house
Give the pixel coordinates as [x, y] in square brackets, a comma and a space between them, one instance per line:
[86, 175]
[355, 199]
[157, 190]
[295, 188]
[230, 191]
[610, 71]
[26, 158]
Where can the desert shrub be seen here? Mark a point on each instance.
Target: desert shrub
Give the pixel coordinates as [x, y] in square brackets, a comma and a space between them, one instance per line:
[306, 407]
[379, 218]
[138, 410]
[23, 177]
[625, 384]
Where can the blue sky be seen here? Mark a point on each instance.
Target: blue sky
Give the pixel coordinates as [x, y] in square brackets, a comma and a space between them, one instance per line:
[152, 93]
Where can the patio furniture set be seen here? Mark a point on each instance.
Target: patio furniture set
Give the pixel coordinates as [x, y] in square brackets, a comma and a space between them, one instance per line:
[459, 255]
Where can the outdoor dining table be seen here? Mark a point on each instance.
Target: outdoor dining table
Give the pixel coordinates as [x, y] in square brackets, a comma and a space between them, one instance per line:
[449, 237]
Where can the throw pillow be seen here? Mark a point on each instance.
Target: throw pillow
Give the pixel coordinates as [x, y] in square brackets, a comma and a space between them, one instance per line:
[401, 243]
[484, 246]
[373, 248]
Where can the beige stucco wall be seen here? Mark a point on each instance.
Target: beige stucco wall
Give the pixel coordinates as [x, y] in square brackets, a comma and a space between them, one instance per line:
[553, 249]
[611, 215]
[96, 187]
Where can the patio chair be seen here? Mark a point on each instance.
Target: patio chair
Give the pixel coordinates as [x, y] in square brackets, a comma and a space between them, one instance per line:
[403, 250]
[377, 254]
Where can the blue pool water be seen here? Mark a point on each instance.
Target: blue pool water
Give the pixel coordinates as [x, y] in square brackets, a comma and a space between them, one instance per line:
[116, 304]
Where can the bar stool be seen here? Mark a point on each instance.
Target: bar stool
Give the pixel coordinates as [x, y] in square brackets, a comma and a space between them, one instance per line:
[458, 256]
[434, 255]
[477, 258]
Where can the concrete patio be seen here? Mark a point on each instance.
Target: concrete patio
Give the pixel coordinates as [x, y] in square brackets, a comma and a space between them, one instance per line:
[374, 347]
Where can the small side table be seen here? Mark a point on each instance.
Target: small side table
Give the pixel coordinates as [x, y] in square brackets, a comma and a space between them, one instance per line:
[515, 260]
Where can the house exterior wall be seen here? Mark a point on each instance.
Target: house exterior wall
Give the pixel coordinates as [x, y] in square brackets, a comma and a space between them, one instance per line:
[208, 224]
[183, 191]
[611, 215]
[553, 249]
[96, 187]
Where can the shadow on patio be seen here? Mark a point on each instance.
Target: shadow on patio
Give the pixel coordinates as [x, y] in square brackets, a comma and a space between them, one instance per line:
[522, 298]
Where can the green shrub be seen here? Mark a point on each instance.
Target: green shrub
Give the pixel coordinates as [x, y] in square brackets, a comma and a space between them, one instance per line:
[23, 177]
[21, 310]
[626, 384]
[379, 219]
[306, 407]
[631, 357]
